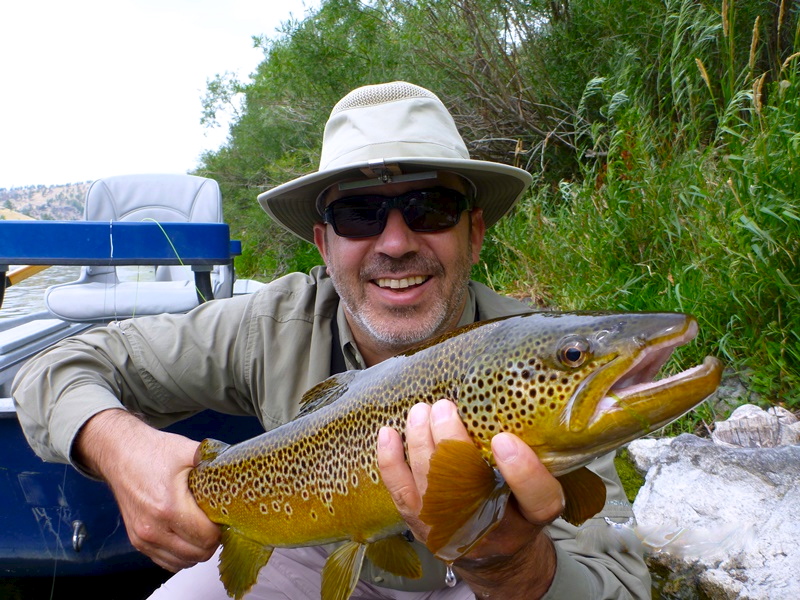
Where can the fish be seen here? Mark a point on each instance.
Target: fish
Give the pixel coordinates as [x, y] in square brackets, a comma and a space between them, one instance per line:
[573, 386]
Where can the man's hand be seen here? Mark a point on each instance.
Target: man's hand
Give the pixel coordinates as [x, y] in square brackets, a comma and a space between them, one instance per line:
[148, 472]
[515, 560]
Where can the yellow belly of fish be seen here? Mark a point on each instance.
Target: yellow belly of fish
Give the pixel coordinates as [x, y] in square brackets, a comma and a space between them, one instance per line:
[361, 514]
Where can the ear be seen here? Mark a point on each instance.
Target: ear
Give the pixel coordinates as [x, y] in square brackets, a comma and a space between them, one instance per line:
[321, 240]
[477, 232]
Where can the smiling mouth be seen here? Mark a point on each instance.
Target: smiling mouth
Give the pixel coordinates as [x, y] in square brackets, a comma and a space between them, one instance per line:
[399, 284]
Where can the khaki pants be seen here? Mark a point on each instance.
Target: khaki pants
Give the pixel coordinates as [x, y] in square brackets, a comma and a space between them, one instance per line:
[290, 574]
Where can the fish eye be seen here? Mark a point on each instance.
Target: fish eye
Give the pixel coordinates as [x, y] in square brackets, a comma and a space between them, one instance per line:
[573, 352]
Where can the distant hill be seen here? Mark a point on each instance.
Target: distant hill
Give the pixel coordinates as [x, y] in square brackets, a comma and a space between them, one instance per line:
[45, 202]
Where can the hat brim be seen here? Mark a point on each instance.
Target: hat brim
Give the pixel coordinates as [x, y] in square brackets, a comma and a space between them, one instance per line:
[293, 204]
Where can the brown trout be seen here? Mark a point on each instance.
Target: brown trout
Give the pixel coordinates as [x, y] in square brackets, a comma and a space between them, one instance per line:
[572, 386]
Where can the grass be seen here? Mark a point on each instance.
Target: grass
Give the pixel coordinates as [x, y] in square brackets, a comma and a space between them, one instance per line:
[680, 215]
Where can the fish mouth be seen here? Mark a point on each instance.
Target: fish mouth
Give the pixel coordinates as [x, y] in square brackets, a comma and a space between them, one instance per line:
[638, 403]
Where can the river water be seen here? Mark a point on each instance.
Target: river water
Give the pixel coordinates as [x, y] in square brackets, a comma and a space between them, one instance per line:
[28, 295]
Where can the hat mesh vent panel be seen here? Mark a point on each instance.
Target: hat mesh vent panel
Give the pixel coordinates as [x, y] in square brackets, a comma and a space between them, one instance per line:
[379, 94]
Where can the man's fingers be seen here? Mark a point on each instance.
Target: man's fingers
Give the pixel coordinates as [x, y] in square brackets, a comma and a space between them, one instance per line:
[399, 480]
[539, 495]
[446, 423]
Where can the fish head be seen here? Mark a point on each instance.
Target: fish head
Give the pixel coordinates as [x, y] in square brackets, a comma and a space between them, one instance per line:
[574, 386]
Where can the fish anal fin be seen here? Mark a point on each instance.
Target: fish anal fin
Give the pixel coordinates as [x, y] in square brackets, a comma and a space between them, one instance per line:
[240, 561]
[584, 495]
[464, 500]
[396, 555]
[341, 571]
[326, 392]
[208, 450]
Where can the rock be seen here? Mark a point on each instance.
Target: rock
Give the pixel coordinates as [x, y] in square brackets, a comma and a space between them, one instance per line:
[722, 520]
[731, 393]
[751, 427]
[648, 452]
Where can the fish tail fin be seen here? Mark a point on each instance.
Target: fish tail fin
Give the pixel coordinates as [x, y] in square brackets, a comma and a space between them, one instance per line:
[341, 570]
[396, 555]
[460, 511]
[208, 450]
[240, 561]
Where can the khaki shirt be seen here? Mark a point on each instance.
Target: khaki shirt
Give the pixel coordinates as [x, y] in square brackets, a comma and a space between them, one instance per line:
[257, 355]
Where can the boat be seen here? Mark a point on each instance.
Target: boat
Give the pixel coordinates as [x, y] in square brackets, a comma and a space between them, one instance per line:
[53, 519]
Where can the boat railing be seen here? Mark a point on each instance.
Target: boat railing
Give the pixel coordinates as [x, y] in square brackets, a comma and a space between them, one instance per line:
[118, 243]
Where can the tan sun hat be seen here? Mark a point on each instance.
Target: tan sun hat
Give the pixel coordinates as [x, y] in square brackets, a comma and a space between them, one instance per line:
[386, 131]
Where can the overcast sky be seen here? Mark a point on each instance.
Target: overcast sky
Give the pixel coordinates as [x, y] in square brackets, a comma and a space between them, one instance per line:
[92, 88]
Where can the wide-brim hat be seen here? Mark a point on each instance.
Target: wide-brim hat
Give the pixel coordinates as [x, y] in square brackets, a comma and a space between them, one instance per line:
[391, 128]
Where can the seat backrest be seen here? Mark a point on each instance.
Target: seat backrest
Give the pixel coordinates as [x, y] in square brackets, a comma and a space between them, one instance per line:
[163, 198]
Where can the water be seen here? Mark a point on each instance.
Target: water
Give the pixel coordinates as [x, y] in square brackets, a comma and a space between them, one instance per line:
[28, 295]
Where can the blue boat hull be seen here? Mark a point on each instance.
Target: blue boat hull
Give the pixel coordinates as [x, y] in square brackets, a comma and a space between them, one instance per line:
[43, 501]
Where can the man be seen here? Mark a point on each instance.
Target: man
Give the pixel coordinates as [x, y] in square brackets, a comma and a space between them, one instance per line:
[398, 211]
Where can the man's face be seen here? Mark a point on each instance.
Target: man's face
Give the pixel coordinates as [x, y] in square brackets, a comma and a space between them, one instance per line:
[401, 287]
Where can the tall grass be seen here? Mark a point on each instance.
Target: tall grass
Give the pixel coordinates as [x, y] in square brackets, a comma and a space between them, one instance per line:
[664, 136]
[695, 207]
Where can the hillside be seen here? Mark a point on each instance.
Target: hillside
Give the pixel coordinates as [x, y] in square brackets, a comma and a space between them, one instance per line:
[49, 203]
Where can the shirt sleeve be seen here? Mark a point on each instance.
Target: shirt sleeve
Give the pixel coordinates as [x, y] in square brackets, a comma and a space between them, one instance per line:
[147, 365]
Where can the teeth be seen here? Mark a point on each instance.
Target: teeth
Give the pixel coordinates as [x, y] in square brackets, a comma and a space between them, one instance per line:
[398, 284]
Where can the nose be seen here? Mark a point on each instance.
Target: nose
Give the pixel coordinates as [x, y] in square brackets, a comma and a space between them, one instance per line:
[396, 239]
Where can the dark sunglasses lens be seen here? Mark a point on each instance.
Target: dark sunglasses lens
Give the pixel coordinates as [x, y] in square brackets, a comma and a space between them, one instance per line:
[355, 218]
[433, 211]
[423, 211]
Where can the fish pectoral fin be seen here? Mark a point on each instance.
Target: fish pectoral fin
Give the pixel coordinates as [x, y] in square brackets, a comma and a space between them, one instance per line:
[326, 392]
[465, 499]
[341, 571]
[208, 450]
[584, 495]
[396, 555]
[240, 561]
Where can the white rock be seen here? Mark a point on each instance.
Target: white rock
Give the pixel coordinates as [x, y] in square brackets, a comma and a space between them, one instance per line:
[751, 427]
[729, 514]
[645, 452]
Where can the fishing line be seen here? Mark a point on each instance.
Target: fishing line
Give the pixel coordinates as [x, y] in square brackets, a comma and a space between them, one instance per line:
[62, 492]
[169, 241]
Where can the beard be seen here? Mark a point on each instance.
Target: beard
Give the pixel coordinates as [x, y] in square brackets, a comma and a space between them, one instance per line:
[397, 328]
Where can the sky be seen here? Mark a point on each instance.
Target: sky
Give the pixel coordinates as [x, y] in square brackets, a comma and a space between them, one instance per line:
[94, 88]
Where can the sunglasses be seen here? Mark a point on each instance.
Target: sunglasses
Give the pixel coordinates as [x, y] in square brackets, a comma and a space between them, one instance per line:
[424, 211]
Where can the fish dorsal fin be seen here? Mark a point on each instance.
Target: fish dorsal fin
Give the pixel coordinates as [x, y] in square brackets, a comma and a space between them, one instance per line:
[341, 570]
[584, 495]
[240, 561]
[461, 510]
[326, 392]
[396, 555]
[208, 450]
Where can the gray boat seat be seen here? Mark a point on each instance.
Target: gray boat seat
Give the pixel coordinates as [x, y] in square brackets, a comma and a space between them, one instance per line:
[100, 294]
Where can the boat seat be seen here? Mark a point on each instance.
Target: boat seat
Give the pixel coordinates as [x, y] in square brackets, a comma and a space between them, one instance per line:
[100, 294]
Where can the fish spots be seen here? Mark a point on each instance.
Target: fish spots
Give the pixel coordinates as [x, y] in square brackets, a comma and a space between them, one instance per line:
[311, 470]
